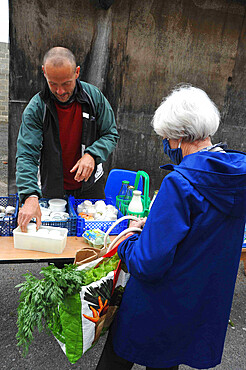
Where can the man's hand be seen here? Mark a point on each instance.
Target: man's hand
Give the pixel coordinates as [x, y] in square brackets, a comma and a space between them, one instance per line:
[29, 210]
[84, 167]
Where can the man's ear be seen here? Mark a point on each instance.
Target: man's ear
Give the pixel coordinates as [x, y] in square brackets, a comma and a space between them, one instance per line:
[77, 72]
[43, 71]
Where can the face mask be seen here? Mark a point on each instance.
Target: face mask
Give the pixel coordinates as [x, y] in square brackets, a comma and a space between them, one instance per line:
[175, 155]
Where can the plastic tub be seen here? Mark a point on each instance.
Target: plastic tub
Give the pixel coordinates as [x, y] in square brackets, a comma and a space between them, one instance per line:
[57, 205]
[52, 241]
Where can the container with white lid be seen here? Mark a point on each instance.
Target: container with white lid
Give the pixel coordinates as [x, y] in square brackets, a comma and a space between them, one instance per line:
[57, 205]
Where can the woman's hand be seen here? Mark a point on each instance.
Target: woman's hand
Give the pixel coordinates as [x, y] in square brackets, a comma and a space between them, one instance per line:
[140, 224]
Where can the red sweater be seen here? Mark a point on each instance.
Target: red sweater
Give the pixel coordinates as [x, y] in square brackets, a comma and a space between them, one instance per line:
[70, 126]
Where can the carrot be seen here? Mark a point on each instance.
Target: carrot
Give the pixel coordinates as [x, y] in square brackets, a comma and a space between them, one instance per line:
[100, 302]
[93, 319]
[102, 306]
[94, 311]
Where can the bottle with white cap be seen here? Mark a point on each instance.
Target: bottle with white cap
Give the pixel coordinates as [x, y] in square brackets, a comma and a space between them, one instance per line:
[136, 205]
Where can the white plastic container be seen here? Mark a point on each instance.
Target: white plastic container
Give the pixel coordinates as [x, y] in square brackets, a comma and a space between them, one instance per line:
[45, 211]
[31, 227]
[57, 205]
[52, 241]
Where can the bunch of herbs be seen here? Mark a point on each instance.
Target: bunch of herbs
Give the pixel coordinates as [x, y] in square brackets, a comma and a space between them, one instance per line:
[40, 299]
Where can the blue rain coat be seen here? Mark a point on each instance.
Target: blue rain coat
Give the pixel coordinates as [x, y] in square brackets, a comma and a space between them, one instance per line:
[183, 266]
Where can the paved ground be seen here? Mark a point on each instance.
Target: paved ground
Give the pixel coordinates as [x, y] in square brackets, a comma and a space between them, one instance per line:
[45, 351]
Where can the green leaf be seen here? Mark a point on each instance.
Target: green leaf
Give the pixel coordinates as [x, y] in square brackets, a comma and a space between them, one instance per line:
[70, 314]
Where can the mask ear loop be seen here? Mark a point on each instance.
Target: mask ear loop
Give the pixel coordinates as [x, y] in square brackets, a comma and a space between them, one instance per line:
[179, 146]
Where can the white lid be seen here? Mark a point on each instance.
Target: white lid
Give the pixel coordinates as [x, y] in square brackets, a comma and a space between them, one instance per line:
[57, 202]
[137, 192]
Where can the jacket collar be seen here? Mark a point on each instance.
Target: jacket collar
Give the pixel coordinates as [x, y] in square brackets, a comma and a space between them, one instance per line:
[80, 95]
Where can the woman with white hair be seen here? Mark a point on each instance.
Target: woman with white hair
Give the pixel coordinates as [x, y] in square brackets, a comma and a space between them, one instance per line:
[183, 266]
[186, 118]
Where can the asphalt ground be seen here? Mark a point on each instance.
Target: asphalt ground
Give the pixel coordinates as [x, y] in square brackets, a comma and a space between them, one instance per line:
[45, 352]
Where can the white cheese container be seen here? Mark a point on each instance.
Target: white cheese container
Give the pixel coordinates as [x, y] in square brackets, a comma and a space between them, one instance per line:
[47, 239]
[57, 205]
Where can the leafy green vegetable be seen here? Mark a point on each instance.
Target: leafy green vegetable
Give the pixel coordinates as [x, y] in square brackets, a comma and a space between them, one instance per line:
[40, 298]
[107, 265]
[70, 314]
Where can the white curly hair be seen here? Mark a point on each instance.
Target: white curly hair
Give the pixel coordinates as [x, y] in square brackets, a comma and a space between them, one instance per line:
[187, 113]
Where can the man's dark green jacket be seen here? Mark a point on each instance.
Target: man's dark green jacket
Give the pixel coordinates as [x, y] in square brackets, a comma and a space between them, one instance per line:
[39, 147]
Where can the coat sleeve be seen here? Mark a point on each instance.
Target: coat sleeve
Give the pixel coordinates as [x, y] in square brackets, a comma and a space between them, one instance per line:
[29, 144]
[149, 255]
[108, 134]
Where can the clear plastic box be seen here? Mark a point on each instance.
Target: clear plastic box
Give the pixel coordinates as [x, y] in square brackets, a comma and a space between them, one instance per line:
[46, 242]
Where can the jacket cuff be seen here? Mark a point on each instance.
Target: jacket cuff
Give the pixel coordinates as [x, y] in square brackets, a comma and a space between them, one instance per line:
[35, 193]
[96, 158]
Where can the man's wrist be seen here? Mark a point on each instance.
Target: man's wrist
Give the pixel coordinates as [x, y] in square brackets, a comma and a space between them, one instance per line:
[92, 155]
[33, 195]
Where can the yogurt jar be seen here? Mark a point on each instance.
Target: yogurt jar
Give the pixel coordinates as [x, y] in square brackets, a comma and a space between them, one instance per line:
[80, 207]
[46, 218]
[57, 205]
[100, 206]
[110, 208]
[91, 211]
[42, 232]
[45, 211]
[59, 216]
[31, 228]
[87, 203]
[9, 210]
[2, 209]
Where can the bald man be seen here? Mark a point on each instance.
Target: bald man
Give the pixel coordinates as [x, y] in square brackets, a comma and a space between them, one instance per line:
[68, 130]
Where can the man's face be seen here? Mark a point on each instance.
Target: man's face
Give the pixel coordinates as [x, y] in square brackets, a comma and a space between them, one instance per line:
[61, 80]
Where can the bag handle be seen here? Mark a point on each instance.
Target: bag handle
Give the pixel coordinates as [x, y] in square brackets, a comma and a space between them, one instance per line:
[145, 177]
[126, 231]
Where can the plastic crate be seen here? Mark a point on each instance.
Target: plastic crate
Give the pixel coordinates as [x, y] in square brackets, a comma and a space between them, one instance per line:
[9, 223]
[83, 225]
[70, 224]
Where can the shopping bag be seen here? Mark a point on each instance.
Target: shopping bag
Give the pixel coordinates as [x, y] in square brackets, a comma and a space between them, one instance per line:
[86, 316]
